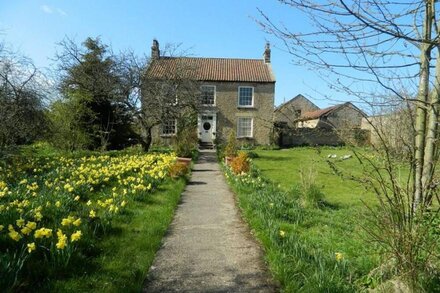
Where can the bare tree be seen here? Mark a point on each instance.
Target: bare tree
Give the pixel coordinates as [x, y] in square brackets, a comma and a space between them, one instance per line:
[374, 50]
[22, 95]
[154, 100]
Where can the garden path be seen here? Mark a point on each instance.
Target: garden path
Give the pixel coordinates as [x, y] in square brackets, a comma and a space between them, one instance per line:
[208, 247]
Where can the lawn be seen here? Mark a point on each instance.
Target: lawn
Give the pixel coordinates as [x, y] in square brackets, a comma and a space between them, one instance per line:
[83, 221]
[285, 167]
[308, 248]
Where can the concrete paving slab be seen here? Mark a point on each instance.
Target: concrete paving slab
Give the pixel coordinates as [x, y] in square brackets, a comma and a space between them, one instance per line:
[208, 247]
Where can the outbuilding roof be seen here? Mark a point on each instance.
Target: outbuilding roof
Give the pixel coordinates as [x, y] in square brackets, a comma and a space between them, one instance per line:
[211, 69]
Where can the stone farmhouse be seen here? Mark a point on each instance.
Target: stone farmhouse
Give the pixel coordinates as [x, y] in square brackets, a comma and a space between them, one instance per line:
[289, 112]
[235, 95]
[342, 116]
[300, 122]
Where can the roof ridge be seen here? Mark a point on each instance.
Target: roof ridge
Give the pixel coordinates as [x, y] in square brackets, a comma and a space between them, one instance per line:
[227, 58]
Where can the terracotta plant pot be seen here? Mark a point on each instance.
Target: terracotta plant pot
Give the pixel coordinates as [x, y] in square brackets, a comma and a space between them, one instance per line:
[185, 161]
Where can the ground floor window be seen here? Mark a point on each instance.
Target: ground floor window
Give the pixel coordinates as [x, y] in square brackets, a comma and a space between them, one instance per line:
[244, 127]
[169, 127]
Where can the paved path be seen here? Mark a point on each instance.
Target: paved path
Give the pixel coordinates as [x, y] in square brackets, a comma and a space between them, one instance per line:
[208, 248]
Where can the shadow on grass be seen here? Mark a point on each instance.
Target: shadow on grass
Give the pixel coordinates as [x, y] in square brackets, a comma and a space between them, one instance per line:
[272, 158]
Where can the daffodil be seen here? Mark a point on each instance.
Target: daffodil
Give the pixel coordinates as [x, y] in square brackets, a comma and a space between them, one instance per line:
[75, 236]
[339, 256]
[31, 247]
[92, 214]
[20, 222]
[62, 240]
[14, 235]
[77, 222]
[282, 233]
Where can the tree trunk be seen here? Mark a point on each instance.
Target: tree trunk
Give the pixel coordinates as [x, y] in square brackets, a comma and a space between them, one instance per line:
[431, 137]
[146, 139]
[420, 142]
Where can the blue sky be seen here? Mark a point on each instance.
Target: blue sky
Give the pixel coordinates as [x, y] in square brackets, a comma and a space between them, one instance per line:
[206, 28]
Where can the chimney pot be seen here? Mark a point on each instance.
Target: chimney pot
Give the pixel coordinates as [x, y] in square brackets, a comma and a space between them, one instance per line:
[155, 51]
[267, 53]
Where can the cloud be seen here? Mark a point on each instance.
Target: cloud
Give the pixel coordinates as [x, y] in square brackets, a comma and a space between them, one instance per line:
[50, 10]
[46, 9]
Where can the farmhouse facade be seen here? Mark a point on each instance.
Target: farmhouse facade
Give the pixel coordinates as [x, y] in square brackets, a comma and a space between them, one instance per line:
[235, 95]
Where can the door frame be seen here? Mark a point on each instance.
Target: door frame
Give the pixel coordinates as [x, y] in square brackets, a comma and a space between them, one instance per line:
[201, 119]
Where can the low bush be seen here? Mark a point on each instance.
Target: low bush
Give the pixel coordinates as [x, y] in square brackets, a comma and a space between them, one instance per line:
[240, 164]
[178, 169]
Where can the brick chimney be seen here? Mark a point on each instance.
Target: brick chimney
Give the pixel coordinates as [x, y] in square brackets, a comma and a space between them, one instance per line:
[266, 54]
[155, 52]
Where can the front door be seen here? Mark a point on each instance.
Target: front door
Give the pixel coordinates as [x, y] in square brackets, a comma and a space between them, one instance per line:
[207, 125]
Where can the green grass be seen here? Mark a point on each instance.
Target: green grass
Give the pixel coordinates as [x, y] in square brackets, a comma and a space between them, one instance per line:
[304, 259]
[284, 166]
[127, 253]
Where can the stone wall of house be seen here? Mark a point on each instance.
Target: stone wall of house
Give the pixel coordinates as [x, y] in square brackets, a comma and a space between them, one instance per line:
[289, 137]
[226, 106]
[346, 117]
[227, 109]
[292, 110]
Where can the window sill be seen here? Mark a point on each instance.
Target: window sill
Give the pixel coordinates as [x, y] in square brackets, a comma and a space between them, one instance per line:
[241, 137]
[246, 107]
[167, 135]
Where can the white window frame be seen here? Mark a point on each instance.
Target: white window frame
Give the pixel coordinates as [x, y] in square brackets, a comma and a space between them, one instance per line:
[215, 94]
[253, 97]
[169, 134]
[239, 135]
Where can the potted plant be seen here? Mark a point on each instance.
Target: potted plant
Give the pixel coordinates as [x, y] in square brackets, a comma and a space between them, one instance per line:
[185, 144]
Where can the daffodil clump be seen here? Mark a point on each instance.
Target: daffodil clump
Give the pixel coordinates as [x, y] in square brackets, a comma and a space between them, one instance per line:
[48, 206]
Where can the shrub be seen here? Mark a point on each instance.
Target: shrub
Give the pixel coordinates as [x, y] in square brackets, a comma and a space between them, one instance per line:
[186, 142]
[240, 164]
[231, 146]
[178, 169]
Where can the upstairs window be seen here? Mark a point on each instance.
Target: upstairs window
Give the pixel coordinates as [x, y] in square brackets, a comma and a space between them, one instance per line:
[169, 127]
[245, 96]
[207, 95]
[244, 127]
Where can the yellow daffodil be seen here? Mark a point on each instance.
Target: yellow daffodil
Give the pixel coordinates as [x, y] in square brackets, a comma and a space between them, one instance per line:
[14, 235]
[339, 256]
[77, 222]
[92, 214]
[282, 233]
[31, 247]
[75, 236]
[43, 232]
[62, 240]
[20, 222]
[57, 203]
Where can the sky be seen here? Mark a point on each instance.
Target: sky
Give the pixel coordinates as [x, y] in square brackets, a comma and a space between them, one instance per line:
[225, 28]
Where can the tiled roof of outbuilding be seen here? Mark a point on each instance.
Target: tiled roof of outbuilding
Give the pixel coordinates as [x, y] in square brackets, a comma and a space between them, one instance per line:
[212, 69]
[319, 113]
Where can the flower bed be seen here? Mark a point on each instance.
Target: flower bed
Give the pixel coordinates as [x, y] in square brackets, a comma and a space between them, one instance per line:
[53, 209]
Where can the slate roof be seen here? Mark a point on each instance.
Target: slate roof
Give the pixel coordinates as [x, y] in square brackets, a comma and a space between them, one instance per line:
[212, 69]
